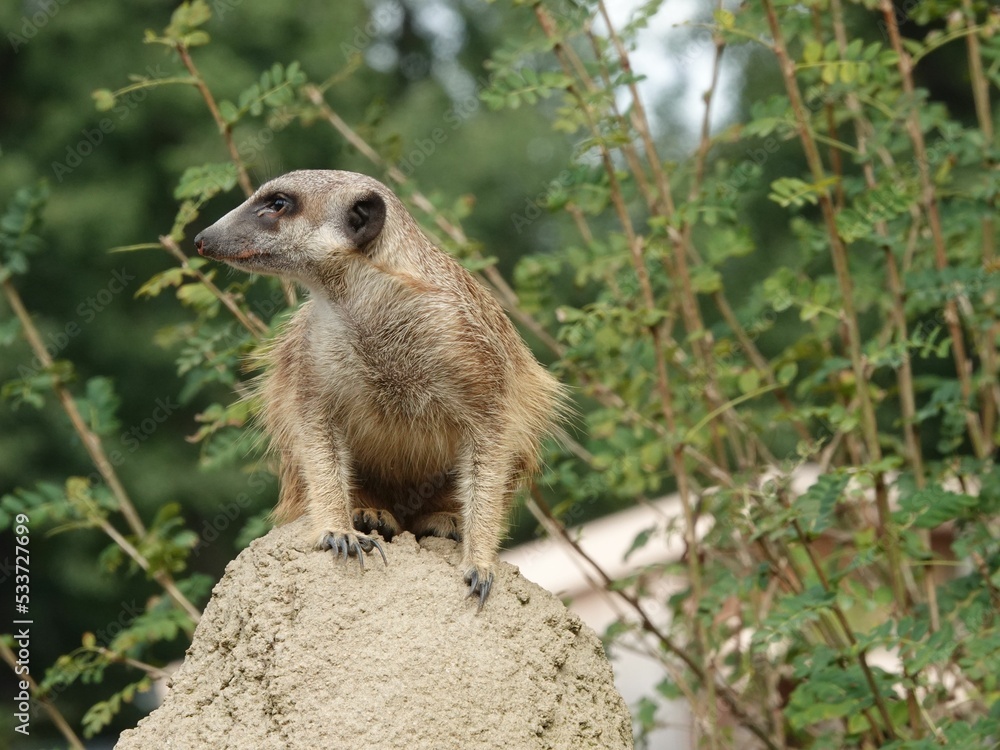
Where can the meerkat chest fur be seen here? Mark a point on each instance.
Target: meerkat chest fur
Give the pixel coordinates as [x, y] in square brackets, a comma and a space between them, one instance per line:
[403, 364]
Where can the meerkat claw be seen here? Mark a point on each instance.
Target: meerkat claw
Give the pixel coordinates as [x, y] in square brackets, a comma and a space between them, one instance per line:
[367, 543]
[480, 583]
[345, 545]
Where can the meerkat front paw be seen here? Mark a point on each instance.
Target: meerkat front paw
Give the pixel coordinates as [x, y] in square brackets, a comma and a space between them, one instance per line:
[368, 520]
[347, 543]
[480, 580]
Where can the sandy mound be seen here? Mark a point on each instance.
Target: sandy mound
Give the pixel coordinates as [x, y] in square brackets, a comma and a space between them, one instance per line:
[297, 650]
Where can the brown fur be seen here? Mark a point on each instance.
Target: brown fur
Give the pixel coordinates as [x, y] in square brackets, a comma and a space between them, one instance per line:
[400, 396]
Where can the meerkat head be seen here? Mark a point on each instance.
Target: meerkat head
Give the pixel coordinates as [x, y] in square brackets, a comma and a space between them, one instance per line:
[304, 225]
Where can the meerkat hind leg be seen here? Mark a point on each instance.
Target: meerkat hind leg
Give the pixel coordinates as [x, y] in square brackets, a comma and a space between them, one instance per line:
[484, 480]
[442, 524]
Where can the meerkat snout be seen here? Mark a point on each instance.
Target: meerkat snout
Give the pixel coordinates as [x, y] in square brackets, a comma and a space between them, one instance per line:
[400, 396]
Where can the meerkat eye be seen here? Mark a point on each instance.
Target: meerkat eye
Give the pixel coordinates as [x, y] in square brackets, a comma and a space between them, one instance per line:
[276, 204]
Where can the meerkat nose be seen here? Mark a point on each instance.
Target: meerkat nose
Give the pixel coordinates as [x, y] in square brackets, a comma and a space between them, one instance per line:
[199, 243]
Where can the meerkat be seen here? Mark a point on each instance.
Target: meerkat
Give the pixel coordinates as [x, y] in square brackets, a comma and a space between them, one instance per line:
[399, 396]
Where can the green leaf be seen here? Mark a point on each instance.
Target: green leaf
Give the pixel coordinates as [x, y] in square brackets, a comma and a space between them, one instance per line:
[787, 373]
[729, 242]
[98, 716]
[203, 182]
[793, 613]
[812, 52]
[100, 406]
[104, 99]
[790, 191]
[725, 19]
[10, 331]
[749, 381]
[46, 503]
[196, 38]
[197, 295]
[654, 317]
[934, 506]
[174, 276]
[228, 111]
[645, 714]
[185, 19]
[18, 225]
[639, 542]
[705, 280]
[814, 508]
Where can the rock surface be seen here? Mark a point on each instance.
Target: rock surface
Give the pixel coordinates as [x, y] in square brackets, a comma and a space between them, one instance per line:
[297, 650]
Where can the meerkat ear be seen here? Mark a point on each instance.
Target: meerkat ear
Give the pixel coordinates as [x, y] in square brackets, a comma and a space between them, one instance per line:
[365, 220]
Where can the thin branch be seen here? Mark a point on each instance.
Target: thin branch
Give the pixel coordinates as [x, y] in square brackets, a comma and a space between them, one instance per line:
[226, 131]
[224, 128]
[154, 672]
[248, 320]
[95, 449]
[54, 714]
[639, 119]
[543, 514]
[635, 244]
[907, 390]
[636, 247]
[161, 577]
[850, 318]
[91, 442]
[990, 390]
[929, 203]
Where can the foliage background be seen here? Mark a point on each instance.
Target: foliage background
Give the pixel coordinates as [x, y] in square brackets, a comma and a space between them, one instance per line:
[398, 73]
